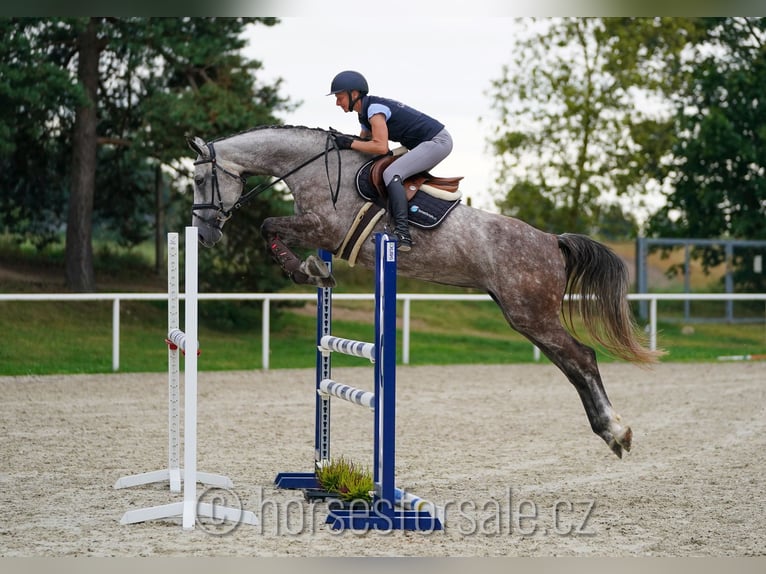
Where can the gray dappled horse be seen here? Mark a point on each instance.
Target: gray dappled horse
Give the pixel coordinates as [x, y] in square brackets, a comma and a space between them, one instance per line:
[526, 271]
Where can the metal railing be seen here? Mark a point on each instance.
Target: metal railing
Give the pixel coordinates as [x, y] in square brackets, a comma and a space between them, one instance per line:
[406, 298]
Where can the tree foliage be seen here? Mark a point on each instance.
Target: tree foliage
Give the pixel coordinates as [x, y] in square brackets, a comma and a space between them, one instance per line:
[719, 183]
[159, 80]
[572, 135]
[37, 94]
[720, 173]
[577, 129]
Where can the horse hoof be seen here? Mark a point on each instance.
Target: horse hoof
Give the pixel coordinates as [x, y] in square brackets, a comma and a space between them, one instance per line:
[623, 441]
[315, 267]
[626, 439]
[328, 282]
[325, 282]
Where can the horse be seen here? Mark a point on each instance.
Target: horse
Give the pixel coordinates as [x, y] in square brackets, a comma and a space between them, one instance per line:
[526, 271]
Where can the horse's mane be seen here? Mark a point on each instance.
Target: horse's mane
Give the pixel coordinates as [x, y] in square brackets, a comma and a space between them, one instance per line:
[270, 127]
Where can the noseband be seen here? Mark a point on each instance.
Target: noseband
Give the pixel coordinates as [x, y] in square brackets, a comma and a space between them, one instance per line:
[223, 214]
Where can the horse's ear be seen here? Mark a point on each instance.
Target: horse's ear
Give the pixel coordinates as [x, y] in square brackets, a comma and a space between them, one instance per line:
[198, 145]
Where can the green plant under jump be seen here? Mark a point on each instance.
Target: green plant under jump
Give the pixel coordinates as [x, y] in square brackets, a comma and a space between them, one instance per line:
[346, 479]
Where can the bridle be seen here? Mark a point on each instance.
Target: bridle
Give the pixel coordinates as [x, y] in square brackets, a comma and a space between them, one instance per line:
[223, 214]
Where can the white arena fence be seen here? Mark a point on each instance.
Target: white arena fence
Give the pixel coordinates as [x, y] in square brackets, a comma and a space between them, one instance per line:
[406, 298]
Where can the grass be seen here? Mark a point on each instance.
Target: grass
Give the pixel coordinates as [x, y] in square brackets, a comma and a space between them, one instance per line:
[350, 481]
[76, 337]
[47, 337]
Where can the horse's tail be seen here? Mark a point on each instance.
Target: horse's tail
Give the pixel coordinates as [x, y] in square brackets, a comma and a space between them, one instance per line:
[600, 278]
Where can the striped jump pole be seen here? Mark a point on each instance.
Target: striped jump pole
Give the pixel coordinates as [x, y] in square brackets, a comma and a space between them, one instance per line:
[329, 343]
[191, 508]
[392, 507]
[350, 394]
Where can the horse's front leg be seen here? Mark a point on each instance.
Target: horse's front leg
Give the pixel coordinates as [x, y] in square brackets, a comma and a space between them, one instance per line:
[298, 229]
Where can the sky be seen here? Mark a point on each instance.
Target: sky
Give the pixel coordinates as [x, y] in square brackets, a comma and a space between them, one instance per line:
[441, 66]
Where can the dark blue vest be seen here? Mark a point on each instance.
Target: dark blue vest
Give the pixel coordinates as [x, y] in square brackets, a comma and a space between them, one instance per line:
[406, 125]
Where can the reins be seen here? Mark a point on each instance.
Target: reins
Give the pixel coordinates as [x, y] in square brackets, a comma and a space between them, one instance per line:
[330, 142]
[246, 198]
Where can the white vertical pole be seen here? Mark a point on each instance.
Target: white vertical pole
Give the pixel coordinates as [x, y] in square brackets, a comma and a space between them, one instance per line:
[173, 369]
[190, 382]
[653, 324]
[116, 334]
[265, 329]
[406, 331]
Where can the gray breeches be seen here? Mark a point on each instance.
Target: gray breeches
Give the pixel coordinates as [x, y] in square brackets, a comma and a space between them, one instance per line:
[422, 157]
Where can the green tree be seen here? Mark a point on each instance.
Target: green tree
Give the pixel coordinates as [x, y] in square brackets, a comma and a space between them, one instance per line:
[719, 180]
[122, 95]
[36, 94]
[571, 136]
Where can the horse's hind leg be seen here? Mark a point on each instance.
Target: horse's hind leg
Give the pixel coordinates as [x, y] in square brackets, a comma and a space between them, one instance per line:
[578, 363]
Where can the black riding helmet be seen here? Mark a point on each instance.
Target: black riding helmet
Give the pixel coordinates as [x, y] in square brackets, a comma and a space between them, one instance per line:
[348, 81]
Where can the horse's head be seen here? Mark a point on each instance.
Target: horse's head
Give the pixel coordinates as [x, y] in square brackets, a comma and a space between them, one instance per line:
[217, 188]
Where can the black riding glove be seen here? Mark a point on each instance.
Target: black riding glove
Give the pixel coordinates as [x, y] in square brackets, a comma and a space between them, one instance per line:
[343, 141]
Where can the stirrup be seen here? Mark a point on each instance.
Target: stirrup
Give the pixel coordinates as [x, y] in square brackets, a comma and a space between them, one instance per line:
[404, 241]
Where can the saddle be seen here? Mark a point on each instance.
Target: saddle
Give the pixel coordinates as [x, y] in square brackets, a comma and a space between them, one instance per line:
[430, 199]
[413, 183]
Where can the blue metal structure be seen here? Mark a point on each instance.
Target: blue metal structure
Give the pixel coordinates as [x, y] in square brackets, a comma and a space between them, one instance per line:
[388, 509]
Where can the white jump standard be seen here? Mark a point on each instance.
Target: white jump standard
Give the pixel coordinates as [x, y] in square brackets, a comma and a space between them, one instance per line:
[191, 508]
[176, 338]
[391, 508]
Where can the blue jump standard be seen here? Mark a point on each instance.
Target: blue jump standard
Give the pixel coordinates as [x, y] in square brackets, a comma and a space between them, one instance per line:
[384, 513]
[297, 481]
[377, 519]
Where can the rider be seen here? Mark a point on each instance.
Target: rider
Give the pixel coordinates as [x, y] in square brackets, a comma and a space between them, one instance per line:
[382, 120]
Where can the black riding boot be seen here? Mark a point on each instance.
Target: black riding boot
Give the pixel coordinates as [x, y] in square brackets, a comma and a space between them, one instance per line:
[397, 202]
